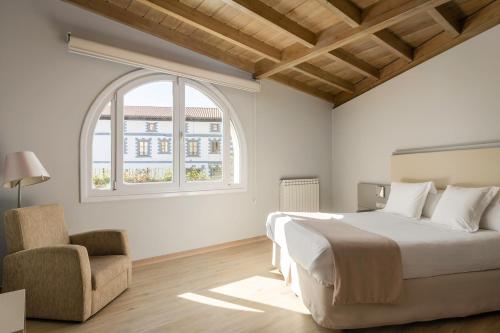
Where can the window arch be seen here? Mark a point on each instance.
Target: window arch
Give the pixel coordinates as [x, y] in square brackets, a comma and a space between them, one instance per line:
[153, 134]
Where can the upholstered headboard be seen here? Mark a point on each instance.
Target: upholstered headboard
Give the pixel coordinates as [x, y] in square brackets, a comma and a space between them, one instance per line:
[466, 166]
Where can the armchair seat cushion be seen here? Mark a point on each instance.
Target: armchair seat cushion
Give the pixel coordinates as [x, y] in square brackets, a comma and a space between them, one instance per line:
[105, 268]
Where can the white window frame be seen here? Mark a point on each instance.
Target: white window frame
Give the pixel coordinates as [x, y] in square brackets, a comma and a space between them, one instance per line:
[179, 186]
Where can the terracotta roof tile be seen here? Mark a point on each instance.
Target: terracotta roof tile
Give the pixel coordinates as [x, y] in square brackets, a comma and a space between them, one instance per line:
[159, 112]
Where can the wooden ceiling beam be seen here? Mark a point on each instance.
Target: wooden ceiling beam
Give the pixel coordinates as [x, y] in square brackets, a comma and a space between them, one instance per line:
[446, 20]
[370, 25]
[263, 12]
[301, 86]
[354, 63]
[394, 44]
[208, 24]
[343, 57]
[352, 15]
[302, 35]
[120, 15]
[484, 19]
[345, 9]
[315, 73]
[373, 20]
[325, 77]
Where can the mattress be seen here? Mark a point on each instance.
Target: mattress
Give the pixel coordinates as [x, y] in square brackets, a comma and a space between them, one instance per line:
[426, 249]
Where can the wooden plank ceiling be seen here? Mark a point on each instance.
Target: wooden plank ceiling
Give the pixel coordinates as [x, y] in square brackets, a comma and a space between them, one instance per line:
[333, 49]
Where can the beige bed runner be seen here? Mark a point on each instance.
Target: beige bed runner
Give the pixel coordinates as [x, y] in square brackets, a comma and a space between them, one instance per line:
[368, 266]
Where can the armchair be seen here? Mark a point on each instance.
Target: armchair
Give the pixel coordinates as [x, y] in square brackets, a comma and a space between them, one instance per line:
[65, 277]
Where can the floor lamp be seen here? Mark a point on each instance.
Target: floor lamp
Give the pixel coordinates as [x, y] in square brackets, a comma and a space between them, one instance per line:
[23, 169]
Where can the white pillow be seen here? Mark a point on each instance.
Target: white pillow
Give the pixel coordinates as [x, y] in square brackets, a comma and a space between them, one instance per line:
[408, 199]
[491, 216]
[431, 203]
[461, 208]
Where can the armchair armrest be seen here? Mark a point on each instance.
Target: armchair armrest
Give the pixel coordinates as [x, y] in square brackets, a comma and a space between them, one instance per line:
[103, 242]
[57, 280]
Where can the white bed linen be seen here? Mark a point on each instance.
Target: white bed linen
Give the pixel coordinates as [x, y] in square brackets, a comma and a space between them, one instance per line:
[426, 249]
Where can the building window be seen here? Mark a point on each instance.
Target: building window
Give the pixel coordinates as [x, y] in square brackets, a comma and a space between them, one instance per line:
[215, 127]
[143, 147]
[142, 99]
[214, 146]
[164, 146]
[215, 170]
[151, 127]
[193, 148]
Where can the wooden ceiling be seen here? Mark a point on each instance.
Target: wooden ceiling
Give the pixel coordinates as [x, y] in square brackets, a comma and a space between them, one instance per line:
[333, 49]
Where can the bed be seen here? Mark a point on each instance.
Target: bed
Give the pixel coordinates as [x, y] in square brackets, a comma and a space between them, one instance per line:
[445, 273]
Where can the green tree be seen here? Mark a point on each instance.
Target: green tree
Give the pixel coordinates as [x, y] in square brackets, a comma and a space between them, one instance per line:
[101, 179]
[195, 174]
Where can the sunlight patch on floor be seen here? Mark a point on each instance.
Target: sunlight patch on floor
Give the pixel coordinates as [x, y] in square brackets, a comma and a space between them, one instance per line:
[215, 302]
[263, 290]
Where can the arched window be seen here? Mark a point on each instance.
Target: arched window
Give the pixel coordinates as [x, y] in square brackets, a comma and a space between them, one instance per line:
[151, 134]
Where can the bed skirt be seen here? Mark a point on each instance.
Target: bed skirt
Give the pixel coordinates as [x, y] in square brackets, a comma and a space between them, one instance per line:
[422, 299]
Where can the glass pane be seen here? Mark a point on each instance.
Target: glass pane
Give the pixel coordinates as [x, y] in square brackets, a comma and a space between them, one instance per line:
[234, 156]
[203, 137]
[147, 130]
[101, 151]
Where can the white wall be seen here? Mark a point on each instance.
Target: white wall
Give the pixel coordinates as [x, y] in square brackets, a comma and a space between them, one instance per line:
[45, 93]
[453, 98]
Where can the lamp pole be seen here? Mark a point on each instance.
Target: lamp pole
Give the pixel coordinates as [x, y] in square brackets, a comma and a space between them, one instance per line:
[19, 194]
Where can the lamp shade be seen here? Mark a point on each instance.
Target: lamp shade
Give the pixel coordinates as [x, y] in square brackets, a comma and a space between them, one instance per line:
[23, 167]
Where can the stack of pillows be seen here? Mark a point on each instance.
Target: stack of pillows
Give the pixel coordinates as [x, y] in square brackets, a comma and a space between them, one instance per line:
[459, 208]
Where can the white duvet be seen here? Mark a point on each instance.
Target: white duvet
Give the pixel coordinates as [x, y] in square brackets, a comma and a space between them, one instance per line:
[426, 249]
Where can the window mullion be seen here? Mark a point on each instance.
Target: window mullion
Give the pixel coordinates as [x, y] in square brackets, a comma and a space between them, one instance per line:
[225, 148]
[179, 130]
[113, 142]
[119, 138]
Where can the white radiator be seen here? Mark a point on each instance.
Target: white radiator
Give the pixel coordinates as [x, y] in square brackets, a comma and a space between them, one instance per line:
[299, 195]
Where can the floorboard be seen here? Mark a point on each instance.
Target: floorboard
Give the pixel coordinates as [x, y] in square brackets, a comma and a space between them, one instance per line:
[232, 290]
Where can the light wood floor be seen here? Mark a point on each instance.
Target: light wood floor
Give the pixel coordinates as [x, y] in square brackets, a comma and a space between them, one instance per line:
[232, 290]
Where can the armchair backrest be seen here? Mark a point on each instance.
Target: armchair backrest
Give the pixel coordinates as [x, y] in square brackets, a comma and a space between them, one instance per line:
[36, 226]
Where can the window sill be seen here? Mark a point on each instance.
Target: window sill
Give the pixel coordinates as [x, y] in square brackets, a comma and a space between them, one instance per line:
[119, 197]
